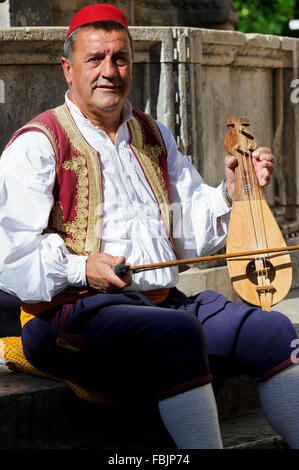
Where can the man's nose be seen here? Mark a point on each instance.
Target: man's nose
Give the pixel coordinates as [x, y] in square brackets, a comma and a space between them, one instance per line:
[108, 68]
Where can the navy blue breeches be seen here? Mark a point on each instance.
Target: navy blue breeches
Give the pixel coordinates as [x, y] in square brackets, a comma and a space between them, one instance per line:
[125, 346]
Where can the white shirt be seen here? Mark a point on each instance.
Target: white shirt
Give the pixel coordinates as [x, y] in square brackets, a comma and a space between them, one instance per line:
[35, 267]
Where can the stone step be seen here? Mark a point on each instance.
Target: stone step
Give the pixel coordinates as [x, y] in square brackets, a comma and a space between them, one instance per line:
[251, 431]
[39, 413]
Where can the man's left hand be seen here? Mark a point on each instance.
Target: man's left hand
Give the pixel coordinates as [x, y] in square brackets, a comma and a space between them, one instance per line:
[263, 163]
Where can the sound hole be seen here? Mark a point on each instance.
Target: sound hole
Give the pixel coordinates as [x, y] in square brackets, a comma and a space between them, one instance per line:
[267, 269]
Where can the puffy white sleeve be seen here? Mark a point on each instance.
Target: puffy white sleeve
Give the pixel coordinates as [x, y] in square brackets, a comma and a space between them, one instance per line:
[33, 266]
[200, 214]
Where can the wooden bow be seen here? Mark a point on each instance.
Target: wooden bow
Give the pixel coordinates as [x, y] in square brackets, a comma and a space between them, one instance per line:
[266, 278]
[123, 269]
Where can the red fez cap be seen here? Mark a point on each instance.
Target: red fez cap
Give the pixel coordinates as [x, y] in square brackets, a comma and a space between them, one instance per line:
[98, 12]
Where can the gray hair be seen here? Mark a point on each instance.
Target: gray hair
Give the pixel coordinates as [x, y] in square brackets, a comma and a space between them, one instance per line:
[70, 42]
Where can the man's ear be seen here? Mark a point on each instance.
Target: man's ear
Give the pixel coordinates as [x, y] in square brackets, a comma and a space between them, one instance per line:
[67, 69]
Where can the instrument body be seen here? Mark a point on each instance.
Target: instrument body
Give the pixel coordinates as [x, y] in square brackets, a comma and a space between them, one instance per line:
[261, 279]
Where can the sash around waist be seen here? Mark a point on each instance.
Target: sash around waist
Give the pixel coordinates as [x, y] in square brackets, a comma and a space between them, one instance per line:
[29, 311]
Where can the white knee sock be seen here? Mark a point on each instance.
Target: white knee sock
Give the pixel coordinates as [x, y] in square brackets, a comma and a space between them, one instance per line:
[280, 401]
[191, 419]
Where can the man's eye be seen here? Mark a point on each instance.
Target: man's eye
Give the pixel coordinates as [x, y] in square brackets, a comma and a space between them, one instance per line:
[94, 59]
[120, 60]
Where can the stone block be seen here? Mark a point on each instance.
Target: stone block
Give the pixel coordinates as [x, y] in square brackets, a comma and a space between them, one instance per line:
[195, 280]
[263, 40]
[238, 396]
[26, 13]
[287, 43]
[211, 36]
[44, 414]
[40, 87]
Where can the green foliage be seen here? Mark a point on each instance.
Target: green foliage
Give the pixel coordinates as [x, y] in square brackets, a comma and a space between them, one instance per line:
[265, 16]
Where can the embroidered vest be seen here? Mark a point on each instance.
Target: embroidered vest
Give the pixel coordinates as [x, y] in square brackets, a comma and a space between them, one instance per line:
[78, 194]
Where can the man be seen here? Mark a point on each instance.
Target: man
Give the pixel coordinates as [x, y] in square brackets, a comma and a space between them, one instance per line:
[94, 187]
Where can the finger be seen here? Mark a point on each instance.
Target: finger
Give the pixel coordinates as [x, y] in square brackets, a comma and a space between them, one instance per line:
[111, 260]
[268, 166]
[260, 150]
[117, 260]
[231, 161]
[127, 278]
[264, 164]
[119, 282]
[105, 275]
[264, 177]
[268, 157]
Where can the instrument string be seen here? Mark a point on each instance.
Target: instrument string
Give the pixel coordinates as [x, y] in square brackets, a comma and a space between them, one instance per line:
[245, 187]
[254, 200]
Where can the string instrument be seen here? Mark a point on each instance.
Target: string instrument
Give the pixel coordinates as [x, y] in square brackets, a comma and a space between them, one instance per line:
[262, 279]
[258, 259]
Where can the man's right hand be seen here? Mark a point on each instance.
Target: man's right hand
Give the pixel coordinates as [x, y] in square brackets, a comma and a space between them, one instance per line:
[101, 276]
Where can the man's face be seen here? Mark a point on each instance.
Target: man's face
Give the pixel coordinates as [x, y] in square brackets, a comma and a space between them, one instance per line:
[101, 73]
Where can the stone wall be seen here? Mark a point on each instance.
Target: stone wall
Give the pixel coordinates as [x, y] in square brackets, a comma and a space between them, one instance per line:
[219, 14]
[190, 79]
[25, 13]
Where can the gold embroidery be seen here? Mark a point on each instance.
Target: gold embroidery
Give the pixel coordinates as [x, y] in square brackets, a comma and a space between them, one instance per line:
[89, 186]
[153, 152]
[77, 227]
[76, 244]
[75, 163]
